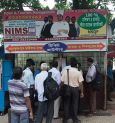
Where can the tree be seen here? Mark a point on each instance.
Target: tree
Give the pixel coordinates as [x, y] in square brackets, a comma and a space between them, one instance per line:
[63, 5]
[12, 4]
[19, 4]
[88, 4]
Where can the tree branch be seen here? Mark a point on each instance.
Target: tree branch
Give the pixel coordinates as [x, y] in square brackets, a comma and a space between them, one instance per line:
[98, 4]
[20, 4]
[76, 4]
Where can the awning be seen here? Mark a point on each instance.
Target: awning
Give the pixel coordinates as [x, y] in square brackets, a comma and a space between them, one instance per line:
[111, 54]
[111, 47]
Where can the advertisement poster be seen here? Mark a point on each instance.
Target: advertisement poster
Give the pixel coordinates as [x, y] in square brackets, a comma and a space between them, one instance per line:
[72, 24]
[78, 28]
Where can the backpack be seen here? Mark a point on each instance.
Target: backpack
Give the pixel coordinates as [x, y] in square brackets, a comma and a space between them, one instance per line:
[97, 81]
[51, 88]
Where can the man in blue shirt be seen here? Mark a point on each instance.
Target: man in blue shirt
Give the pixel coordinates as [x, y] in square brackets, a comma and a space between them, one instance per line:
[109, 80]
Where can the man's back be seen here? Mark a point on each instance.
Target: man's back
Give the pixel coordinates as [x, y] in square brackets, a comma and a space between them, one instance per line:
[56, 75]
[28, 77]
[75, 77]
[17, 92]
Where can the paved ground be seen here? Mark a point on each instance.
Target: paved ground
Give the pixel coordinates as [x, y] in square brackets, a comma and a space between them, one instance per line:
[101, 116]
[84, 119]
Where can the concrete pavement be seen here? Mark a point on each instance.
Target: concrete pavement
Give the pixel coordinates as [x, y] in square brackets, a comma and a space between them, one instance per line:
[84, 119]
[102, 116]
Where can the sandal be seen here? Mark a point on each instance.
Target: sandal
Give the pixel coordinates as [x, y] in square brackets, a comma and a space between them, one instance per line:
[1, 114]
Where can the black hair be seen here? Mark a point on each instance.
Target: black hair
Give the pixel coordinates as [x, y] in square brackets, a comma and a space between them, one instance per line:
[29, 62]
[90, 60]
[17, 73]
[73, 62]
[67, 17]
[50, 16]
[73, 17]
[79, 66]
[55, 64]
[45, 19]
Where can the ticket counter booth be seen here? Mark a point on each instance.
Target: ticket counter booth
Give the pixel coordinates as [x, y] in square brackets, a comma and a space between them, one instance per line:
[22, 37]
[63, 60]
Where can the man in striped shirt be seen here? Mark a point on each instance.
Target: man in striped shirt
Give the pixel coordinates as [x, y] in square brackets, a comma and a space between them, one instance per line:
[19, 98]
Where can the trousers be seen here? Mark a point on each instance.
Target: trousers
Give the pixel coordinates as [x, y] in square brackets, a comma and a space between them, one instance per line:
[56, 107]
[19, 117]
[71, 104]
[91, 99]
[40, 112]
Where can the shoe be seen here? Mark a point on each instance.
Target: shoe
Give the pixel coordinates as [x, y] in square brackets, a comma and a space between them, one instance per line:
[110, 99]
[64, 121]
[1, 114]
[89, 115]
[55, 118]
[77, 121]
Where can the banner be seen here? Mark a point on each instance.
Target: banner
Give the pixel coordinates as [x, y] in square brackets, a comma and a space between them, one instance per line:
[54, 47]
[47, 25]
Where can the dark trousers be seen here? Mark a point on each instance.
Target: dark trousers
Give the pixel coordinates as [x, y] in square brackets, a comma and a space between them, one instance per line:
[31, 91]
[71, 104]
[91, 98]
[40, 112]
[110, 87]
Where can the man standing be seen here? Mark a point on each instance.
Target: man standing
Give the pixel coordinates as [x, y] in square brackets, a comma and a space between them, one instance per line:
[74, 29]
[28, 78]
[45, 33]
[110, 85]
[91, 73]
[42, 100]
[42, 30]
[19, 98]
[57, 77]
[60, 28]
[74, 78]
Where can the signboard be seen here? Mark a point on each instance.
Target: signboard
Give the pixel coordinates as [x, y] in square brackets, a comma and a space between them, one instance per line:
[43, 47]
[51, 24]
[70, 30]
[54, 47]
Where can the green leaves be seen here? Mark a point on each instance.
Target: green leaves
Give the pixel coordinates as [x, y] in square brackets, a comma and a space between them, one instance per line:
[19, 4]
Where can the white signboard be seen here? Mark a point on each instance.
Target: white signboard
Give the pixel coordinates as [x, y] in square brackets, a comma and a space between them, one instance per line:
[22, 28]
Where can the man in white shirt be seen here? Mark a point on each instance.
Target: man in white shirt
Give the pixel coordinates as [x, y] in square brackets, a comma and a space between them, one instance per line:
[42, 100]
[91, 73]
[28, 78]
[60, 28]
[57, 77]
[73, 78]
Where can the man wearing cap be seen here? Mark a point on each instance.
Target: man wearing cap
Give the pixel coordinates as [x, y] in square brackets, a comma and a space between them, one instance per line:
[28, 78]
[60, 28]
[91, 73]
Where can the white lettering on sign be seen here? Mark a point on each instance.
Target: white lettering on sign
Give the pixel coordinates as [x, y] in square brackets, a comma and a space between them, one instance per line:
[54, 45]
